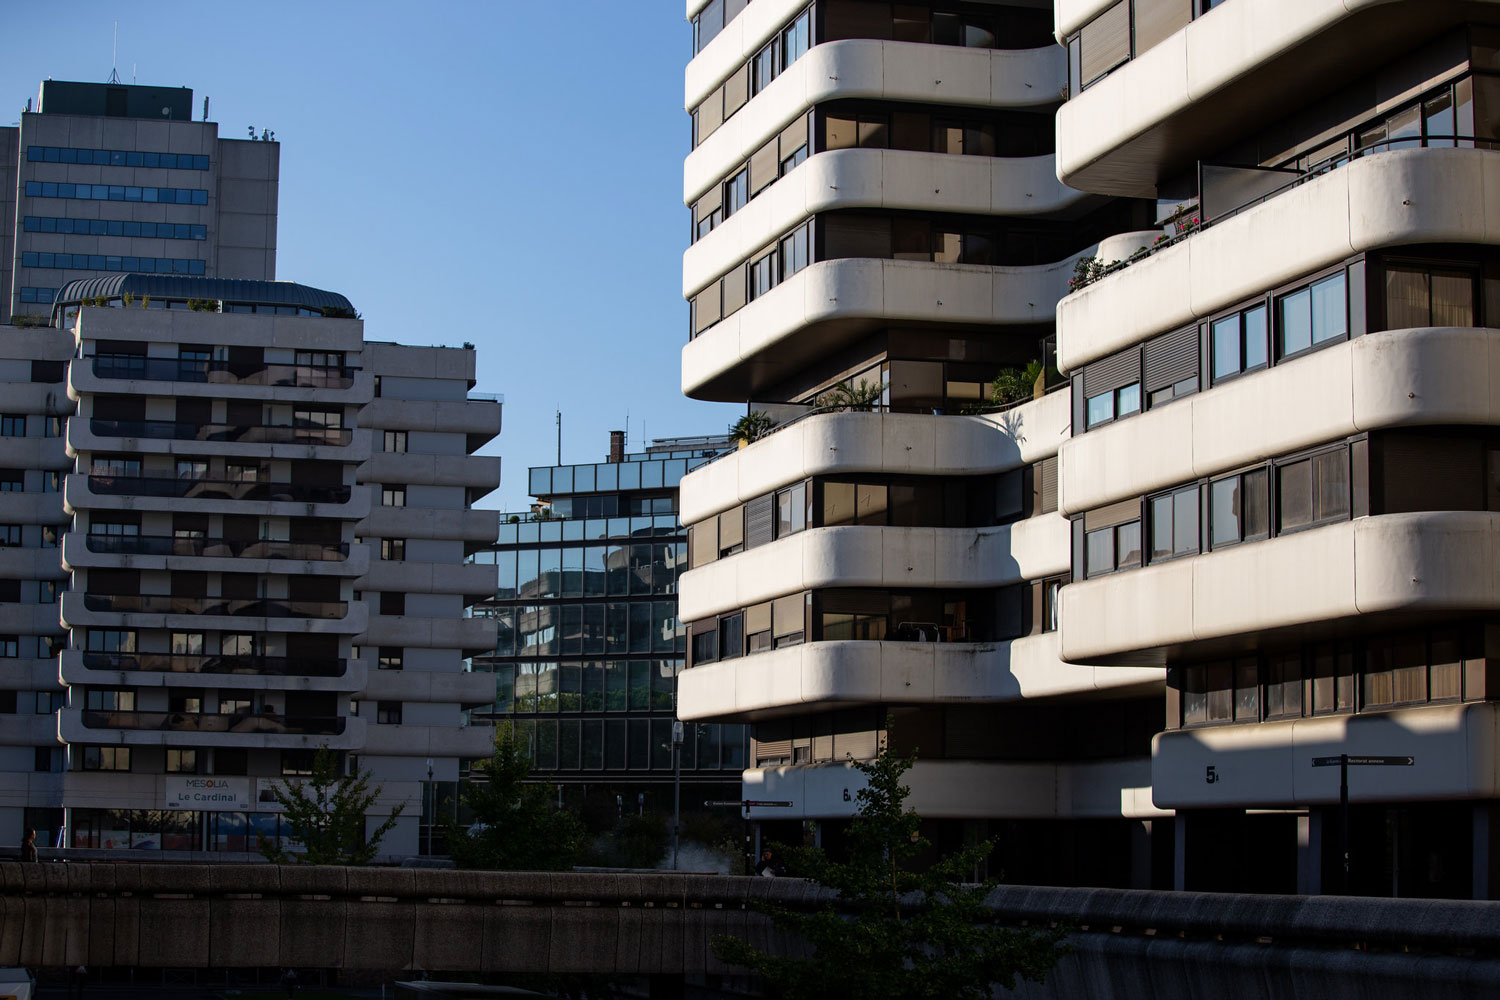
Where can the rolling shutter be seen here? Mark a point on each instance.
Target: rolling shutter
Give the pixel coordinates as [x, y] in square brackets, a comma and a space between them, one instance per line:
[1112, 373]
[1171, 358]
[1105, 41]
[760, 521]
[1158, 20]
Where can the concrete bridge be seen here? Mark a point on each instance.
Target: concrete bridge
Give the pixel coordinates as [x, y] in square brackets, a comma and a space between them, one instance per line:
[1126, 943]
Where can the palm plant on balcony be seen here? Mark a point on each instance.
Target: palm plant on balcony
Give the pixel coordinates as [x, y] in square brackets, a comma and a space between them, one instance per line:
[751, 428]
[847, 396]
[1013, 385]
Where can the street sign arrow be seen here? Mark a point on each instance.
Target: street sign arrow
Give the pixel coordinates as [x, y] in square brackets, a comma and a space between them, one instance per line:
[1353, 761]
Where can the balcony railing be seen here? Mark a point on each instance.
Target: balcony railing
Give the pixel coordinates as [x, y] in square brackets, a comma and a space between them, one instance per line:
[204, 722]
[220, 548]
[258, 607]
[237, 433]
[216, 489]
[134, 366]
[179, 663]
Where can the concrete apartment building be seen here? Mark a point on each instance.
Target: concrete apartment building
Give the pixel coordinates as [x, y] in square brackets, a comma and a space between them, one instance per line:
[1306, 542]
[874, 200]
[589, 644]
[255, 535]
[119, 178]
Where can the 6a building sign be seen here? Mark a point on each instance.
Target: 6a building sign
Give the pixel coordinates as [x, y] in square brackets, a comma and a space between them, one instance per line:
[208, 794]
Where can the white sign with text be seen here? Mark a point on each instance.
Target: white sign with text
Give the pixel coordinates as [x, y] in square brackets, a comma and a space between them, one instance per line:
[208, 794]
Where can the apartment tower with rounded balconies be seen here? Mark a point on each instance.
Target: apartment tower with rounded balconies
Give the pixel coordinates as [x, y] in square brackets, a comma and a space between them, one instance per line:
[878, 243]
[1283, 476]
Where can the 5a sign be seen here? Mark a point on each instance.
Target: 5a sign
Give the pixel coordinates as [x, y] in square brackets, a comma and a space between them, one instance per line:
[1211, 774]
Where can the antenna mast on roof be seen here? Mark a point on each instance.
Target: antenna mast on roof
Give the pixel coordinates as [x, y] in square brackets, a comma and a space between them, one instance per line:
[559, 437]
[114, 56]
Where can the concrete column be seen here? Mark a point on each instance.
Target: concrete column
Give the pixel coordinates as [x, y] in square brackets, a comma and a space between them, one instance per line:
[1484, 832]
[1179, 851]
[1310, 853]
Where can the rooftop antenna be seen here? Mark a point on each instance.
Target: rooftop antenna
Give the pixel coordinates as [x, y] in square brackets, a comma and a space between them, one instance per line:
[132, 74]
[559, 437]
[114, 56]
[627, 428]
[205, 107]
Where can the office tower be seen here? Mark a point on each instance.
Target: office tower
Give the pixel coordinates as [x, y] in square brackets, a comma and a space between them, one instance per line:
[119, 178]
[589, 643]
[878, 236]
[222, 487]
[1305, 541]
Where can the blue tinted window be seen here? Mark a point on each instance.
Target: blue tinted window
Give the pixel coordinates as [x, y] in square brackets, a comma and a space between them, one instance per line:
[115, 157]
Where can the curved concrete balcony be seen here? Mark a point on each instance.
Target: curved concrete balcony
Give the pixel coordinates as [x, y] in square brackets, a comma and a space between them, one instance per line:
[169, 437]
[479, 419]
[29, 619]
[32, 508]
[30, 564]
[198, 614]
[35, 453]
[273, 383]
[430, 522]
[240, 673]
[29, 731]
[1446, 561]
[430, 741]
[473, 580]
[821, 675]
[918, 444]
[432, 470]
[1269, 764]
[832, 304]
[878, 70]
[177, 729]
[1397, 378]
[967, 789]
[214, 555]
[736, 44]
[873, 556]
[472, 636]
[30, 675]
[893, 179]
[440, 687]
[1220, 78]
[83, 493]
[1385, 199]
[47, 398]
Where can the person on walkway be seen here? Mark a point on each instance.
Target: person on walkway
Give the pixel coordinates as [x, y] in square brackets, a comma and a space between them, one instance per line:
[28, 846]
[768, 868]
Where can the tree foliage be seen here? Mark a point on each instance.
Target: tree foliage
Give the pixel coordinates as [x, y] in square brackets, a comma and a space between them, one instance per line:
[893, 931]
[516, 827]
[327, 814]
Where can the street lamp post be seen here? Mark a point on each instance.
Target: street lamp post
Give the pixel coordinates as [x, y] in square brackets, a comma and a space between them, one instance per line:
[432, 807]
[676, 787]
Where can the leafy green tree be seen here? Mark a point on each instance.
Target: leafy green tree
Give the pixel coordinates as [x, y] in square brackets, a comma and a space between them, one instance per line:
[327, 814]
[516, 827]
[877, 939]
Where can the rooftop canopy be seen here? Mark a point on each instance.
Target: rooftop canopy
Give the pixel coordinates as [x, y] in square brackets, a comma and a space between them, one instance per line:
[260, 296]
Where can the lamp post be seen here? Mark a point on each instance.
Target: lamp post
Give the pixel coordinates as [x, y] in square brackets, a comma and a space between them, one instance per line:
[432, 807]
[676, 786]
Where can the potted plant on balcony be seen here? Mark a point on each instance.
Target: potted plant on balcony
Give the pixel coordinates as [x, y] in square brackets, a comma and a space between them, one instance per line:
[751, 428]
[847, 396]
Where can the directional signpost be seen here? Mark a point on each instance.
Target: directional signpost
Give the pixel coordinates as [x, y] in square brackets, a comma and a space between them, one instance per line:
[1343, 762]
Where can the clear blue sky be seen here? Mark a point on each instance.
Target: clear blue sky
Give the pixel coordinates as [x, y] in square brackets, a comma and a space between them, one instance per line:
[507, 173]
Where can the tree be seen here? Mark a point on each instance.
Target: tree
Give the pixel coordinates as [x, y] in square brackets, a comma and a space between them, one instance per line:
[327, 813]
[516, 827]
[892, 931]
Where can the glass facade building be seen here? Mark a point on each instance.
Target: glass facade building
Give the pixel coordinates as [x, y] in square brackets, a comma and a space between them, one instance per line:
[589, 643]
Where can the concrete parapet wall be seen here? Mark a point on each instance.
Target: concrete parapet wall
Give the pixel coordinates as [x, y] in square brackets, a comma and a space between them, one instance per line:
[1125, 943]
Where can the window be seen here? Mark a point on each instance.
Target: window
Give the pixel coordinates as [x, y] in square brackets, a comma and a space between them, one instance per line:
[240, 472]
[115, 227]
[393, 496]
[393, 549]
[9, 646]
[731, 636]
[109, 700]
[706, 647]
[182, 761]
[116, 157]
[325, 419]
[796, 39]
[1417, 296]
[101, 262]
[117, 192]
[1313, 490]
[105, 640]
[1312, 316]
[10, 535]
[794, 252]
[388, 713]
[1051, 604]
[395, 441]
[1112, 548]
[189, 469]
[1112, 405]
[1239, 508]
[12, 480]
[52, 535]
[12, 425]
[736, 192]
[106, 758]
[1174, 524]
[187, 643]
[1284, 686]
[47, 591]
[791, 510]
[390, 658]
[1239, 342]
[48, 702]
[52, 427]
